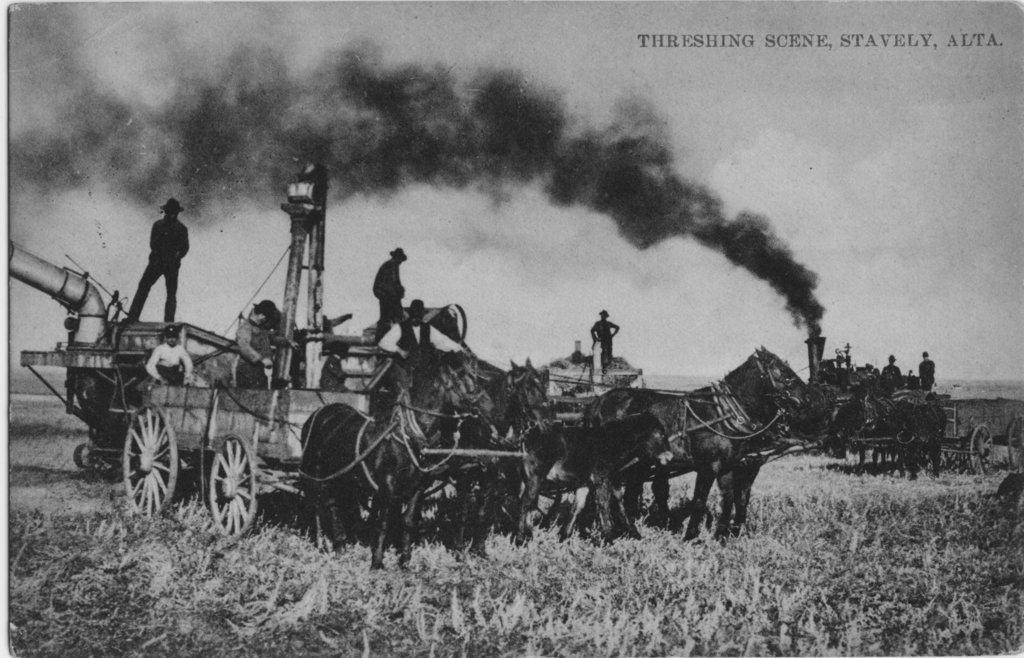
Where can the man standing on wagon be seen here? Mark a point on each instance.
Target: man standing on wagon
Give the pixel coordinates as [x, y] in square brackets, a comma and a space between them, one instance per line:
[387, 288]
[168, 244]
[927, 372]
[602, 332]
[892, 377]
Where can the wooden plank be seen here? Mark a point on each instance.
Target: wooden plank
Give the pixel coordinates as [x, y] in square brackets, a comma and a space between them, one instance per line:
[466, 452]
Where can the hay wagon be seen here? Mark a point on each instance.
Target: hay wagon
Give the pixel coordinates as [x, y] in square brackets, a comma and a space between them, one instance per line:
[974, 426]
[575, 381]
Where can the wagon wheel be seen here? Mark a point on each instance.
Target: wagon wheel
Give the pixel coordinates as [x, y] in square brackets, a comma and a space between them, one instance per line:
[150, 461]
[981, 448]
[233, 487]
[83, 456]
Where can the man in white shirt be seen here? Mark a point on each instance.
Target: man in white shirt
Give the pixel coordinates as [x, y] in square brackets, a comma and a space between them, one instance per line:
[411, 335]
[169, 362]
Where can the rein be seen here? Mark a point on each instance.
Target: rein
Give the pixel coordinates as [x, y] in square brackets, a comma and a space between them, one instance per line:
[746, 437]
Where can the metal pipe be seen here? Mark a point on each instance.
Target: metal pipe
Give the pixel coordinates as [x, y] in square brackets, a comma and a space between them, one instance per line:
[70, 289]
[815, 350]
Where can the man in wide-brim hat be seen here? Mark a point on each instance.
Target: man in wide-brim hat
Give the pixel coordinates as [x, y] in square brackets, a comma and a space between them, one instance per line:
[602, 332]
[168, 244]
[387, 288]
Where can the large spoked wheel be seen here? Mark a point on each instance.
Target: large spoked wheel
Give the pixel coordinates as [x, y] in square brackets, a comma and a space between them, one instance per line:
[981, 449]
[233, 487]
[150, 461]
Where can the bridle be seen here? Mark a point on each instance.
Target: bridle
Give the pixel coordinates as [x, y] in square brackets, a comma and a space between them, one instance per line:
[524, 412]
[462, 385]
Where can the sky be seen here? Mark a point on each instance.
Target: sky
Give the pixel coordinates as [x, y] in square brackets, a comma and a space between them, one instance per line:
[538, 165]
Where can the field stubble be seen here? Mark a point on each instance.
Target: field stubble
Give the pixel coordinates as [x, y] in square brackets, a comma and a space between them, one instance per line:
[831, 563]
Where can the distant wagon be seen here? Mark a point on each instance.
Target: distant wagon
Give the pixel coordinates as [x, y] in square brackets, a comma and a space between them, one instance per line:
[577, 380]
[974, 426]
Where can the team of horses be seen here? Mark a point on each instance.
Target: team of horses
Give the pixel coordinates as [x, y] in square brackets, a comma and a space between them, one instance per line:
[490, 443]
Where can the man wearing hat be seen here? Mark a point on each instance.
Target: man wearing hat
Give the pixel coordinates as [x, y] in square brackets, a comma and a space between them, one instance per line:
[892, 376]
[168, 244]
[413, 335]
[255, 346]
[169, 362]
[387, 288]
[602, 332]
[926, 370]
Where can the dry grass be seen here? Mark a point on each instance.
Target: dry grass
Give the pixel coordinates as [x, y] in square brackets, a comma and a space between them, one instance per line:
[832, 564]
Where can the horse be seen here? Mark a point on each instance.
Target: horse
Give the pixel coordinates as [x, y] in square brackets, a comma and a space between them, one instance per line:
[588, 459]
[722, 432]
[349, 457]
[910, 424]
[486, 486]
[523, 414]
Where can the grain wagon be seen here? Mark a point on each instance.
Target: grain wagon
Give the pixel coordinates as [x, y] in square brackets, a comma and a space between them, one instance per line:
[236, 443]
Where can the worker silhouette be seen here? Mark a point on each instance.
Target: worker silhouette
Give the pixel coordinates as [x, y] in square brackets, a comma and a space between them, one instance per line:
[926, 370]
[168, 244]
[892, 377]
[387, 288]
[602, 332]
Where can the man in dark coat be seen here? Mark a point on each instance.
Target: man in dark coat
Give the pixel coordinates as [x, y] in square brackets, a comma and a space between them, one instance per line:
[927, 372]
[413, 336]
[168, 244]
[387, 288]
[602, 332]
[256, 345]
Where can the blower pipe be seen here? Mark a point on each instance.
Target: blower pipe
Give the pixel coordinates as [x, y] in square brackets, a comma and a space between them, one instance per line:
[70, 289]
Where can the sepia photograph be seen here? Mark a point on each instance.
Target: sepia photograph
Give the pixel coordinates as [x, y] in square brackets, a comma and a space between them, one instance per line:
[515, 328]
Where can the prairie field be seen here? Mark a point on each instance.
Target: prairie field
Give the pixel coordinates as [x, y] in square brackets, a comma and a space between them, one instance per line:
[832, 562]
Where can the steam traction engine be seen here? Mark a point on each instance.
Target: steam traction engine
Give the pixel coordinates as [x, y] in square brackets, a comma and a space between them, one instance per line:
[237, 443]
[972, 426]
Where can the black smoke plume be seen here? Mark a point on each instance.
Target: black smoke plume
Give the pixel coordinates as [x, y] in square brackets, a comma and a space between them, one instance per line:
[379, 128]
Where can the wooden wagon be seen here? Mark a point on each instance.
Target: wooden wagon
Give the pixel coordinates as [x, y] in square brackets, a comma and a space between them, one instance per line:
[238, 442]
[974, 426]
[575, 381]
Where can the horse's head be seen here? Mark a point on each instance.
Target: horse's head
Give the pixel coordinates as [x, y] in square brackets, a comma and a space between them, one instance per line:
[767, 386]
[526, 388]
[460, 388]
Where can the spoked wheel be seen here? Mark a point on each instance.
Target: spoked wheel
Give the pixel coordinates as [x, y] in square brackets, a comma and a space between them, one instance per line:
[150, 461]
[981, 449]
[233, 487]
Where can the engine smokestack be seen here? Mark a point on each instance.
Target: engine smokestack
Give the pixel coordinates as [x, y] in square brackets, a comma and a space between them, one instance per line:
[815, 350]
[72, 290]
